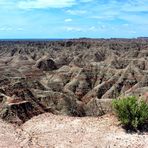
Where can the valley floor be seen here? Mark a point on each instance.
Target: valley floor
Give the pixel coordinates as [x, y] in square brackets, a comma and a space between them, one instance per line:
[48, 130]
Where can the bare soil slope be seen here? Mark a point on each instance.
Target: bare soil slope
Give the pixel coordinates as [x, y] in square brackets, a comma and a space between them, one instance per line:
[70, 77]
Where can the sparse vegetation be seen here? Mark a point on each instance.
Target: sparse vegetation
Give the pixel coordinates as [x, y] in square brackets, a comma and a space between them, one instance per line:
[131, 111]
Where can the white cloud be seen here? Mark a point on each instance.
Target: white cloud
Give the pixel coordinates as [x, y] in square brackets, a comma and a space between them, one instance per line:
[2, 2]
[6, 28]
[20, 29]
[135, 6]
[92, 28]
[2, 29]
[102, 27]
[133, 32]
[68, 20]
[134, 19]
[81, 29]
[86, 1]
[76, 12]
[106, 15]
[40, 4]
[78, 29]
[126, 25]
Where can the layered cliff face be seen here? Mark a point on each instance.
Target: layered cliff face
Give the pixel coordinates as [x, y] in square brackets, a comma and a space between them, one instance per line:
[70, 77]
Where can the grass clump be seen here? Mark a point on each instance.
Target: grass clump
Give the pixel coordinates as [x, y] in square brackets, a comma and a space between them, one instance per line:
[132, 112]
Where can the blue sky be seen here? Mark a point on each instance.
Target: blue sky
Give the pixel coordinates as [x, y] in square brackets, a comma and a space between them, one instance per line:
[73, 18]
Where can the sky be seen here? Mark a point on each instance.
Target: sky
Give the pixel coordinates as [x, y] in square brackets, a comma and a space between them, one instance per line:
[73, 18]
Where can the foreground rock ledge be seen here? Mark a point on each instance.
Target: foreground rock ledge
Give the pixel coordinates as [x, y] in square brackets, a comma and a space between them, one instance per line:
[48, 130]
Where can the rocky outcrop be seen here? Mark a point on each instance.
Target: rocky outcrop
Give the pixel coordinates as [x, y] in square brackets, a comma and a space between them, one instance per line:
[72, 77]
[46, 64]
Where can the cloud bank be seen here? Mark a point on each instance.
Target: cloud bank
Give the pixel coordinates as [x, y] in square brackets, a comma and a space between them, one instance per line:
[38, 4]
[73, 18]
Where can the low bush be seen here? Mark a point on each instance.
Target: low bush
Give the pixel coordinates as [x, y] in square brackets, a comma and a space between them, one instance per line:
[132, 112]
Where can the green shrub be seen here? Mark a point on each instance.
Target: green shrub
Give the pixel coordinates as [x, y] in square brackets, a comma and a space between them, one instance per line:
[132, 112]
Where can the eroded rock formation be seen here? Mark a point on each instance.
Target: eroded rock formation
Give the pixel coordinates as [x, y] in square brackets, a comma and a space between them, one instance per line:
[70, 77]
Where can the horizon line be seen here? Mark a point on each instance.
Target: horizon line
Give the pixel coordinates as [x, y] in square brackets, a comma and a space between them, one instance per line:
[145, 37]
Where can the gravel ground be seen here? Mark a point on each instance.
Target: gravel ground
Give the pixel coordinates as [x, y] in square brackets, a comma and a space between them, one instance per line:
[51, 131]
